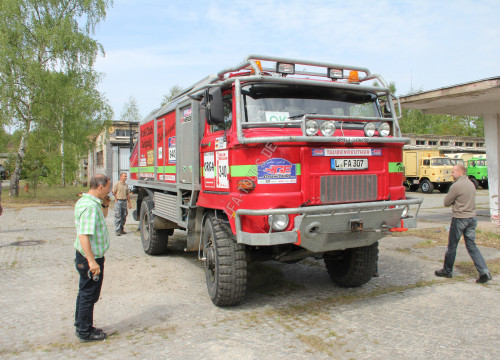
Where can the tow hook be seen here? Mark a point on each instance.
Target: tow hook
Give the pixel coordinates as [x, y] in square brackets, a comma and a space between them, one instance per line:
[356, 225]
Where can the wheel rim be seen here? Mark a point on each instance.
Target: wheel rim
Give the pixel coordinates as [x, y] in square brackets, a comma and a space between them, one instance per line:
[145, 226]
[425, 187]
[210, 254]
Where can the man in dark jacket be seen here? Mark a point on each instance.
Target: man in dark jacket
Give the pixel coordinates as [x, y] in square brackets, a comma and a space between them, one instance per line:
[462, 198]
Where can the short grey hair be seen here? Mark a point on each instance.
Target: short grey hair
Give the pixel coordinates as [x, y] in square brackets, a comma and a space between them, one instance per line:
[98, 180]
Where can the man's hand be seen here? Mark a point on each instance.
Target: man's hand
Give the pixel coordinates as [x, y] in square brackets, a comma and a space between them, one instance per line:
[94, 267]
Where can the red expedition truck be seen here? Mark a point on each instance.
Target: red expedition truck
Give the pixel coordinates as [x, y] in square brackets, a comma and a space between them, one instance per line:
[274, 159]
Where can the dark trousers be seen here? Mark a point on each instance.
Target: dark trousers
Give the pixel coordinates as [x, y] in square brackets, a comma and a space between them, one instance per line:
[467, 228]
[88, 294]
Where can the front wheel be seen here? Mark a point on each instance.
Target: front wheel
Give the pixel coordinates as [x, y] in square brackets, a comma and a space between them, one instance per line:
[225, 263]
[427, 187]
[154, 241]
[352, 267]
[475, 182]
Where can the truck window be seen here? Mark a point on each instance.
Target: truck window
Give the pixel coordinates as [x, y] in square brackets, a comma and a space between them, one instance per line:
[440, 162]
[427, 162]
[276, 103]
[228, 115]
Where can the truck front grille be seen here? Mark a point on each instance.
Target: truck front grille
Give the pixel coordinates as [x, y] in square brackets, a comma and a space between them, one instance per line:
[348, 188]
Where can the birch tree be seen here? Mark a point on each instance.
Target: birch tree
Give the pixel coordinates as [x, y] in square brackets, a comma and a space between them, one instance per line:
[40, 38]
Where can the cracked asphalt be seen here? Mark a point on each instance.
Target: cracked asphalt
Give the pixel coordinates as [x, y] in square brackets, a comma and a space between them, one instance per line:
[159, 307]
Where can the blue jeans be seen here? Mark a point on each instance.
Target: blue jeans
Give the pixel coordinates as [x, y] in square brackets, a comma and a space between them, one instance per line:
[121, 212]
[88, 294]
[467, 227]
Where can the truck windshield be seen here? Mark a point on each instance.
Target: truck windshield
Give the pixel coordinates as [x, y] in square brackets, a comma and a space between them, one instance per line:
[276, 102]
[440, 161]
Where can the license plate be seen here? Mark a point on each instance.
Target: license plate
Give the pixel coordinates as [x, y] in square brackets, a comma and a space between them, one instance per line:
[349, 164]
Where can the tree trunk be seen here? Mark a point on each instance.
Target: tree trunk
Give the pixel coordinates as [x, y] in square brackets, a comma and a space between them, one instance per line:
[16, 176]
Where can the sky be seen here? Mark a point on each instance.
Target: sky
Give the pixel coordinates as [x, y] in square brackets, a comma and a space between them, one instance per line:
[152, 45]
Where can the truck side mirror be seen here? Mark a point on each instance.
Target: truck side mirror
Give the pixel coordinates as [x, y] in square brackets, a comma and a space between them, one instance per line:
[215, 106]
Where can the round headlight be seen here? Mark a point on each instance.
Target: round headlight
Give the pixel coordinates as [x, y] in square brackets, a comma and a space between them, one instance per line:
[311, 128]
[384, 129]
[327, 128]
[278, 222]
[369, 129]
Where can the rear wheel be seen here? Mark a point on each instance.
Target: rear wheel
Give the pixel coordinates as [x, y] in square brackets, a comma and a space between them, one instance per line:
[484, 185]
[413, 187]
[154, 242]
[352, 267]
[427, 187]
[225, 263]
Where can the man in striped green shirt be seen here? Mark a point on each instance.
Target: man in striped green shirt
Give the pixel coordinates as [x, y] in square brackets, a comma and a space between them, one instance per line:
[91, 243]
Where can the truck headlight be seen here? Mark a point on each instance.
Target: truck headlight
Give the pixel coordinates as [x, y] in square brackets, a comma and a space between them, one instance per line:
[327, 128]
[384, 129]
[369, 129]
[311, 128]
[278, 222]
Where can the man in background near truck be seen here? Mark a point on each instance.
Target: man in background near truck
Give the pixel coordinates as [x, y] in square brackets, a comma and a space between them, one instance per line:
[91, 243]
[462, 195]
[122, 201]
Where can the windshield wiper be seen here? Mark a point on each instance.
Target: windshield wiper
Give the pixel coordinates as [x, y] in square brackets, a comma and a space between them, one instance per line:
[300, 115]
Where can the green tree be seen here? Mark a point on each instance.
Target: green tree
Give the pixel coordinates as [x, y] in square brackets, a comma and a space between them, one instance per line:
[130, 111]
[38, 40]
[174, 91]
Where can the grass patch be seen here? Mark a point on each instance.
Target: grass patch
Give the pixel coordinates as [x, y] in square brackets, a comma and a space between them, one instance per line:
[45, 194]
[468, 268]
[316, 307]
[316, 343]
[439, 237]
[269, 280]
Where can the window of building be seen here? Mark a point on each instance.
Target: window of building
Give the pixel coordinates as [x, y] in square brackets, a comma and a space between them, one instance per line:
[479, 145]
[120, 132]
[459, 143]
[99, 158]
[444, 143]
[469, 144]
[433, 143]
[420, 142]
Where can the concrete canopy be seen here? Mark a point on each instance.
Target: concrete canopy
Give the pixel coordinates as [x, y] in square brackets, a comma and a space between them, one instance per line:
[477, 98]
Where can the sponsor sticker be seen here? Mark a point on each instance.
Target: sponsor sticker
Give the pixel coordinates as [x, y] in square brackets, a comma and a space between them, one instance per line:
[220, 143]
[209, 169]
[346, 152]
[222, 167]
[276, 171]
[171, 150]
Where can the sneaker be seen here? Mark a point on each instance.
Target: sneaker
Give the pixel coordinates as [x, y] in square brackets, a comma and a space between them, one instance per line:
[95, 335]
[118, 233]
[123, 232]
[443, 273]
[484, 278]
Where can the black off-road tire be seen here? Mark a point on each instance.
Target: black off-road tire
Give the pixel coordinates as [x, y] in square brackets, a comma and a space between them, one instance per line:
[475, 182]
[444, 188]
[154, 242]
[225, 263]
[427, 187]
[484, 185]
[413, 187]
[352, 267]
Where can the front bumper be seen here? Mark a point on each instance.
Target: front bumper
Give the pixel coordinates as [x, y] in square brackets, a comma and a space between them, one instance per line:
[333, 227]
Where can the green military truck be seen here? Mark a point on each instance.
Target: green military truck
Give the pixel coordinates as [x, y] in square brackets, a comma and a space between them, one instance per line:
[477, 171]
